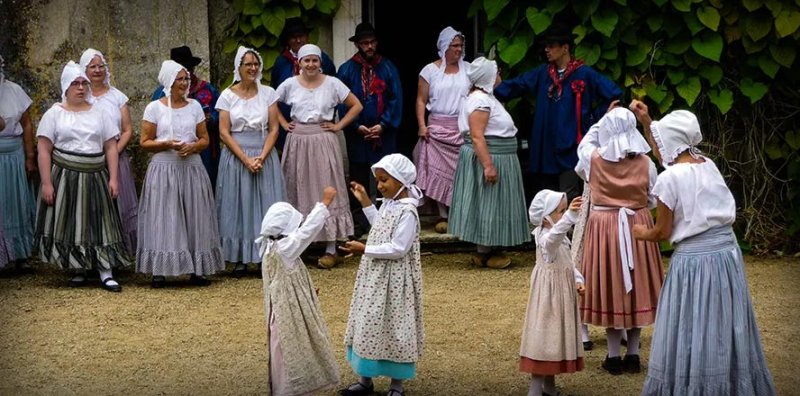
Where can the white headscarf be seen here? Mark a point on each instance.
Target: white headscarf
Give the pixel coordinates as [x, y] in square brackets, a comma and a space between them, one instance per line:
[308, 49]
[446, 37]
[166, 77]
[677, 132]
[482, 73]
[544, 203]
[404, 171]
[72, 71]
[614, 136]
[237, 62]
[87, 57]
[281, 219]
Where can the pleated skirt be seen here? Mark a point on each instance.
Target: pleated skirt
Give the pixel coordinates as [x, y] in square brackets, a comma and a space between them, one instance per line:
[81, 230]
[489, 214]
[5, 245]
[242, 198]
[18, 202]
[436, 158]
[706, 340]
[178, 231]
[127, 202]
[312, 160]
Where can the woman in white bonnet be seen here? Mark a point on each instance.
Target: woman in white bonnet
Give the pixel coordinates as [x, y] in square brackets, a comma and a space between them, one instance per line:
[77, 224]
[488, 172]
[706, 339]
[115, 104]
[312, 157]
[178, 231]
[442, 88]
[249, 179]
[301, 360]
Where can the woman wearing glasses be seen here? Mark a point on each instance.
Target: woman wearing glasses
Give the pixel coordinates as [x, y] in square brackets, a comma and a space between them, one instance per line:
[178, 232]
[115, 104]
[250, 178]
[77, 225]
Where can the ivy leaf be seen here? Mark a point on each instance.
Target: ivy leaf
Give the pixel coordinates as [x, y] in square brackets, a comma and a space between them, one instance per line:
[678, 45]
[637, 55]
[293, 11]
[638, 93]
[793, 138]
[775, 6]
[252, 7]
[230, 45]
[689, 89]
[660, 2]
[768, 66]
[514, 52]
[269, 56]
[787, 22]
[580, 33]
[752, 5]
[666, 104]
[692, 23]
[585, 9]
[692, 60]
[751, 47]
[256, 40]
[554, 7]
[245, 26]
[327, 7]
[273, 20]
[723, 99]
[730, 14]
[609, 53]
[605, 21]
[732, 33]
[590, 53]
[676, 76]
[493, 8]
[783, 54]
[654, 22]
[538, 20]
[758, 26]
[492, 35]
[712, 74]
[709, 16]
[308, 4]
[655, 92]
[682, 5]
[474, 7]
[753, 90]
[708, 45]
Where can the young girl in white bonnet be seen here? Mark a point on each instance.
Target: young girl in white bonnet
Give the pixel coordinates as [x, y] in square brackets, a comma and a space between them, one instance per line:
[301, 360]
[706, 340]
[385, 333]
[551, 338]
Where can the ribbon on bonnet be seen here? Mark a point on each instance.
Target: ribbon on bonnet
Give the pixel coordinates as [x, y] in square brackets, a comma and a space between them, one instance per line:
[281, 219]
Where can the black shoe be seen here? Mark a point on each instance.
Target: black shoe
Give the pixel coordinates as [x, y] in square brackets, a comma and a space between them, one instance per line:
[239, 271]
[23, 267]
[112, 288]
[158, 282]
[364, 391]
[613, 365]
[588, 345]
[631, 364]
[77, 281]
[199, 280]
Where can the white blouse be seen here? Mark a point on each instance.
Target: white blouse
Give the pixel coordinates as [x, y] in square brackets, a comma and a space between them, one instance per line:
[313, 105]
[447, 92]
[184, 120]
[111, 102]
[82, 132]
[291, 246]
[13, 102]
[698, 197]
[551, 239]
[403, 236]
[500, 123]
[247, 114]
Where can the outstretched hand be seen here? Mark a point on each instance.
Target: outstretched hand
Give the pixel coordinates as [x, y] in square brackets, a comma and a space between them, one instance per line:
[576, 203]
[361, 194]
[352, 247]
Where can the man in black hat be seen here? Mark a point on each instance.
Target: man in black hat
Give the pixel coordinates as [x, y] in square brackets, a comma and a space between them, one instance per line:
[206, 94]
[294, 35]
[565, 90]
[375, 81]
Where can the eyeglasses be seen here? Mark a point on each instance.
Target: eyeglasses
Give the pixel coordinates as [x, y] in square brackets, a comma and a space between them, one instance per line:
[97, 67]
[79, 84]
[251, 64]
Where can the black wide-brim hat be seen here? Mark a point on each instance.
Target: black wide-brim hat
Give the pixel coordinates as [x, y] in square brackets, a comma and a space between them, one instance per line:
[559, 33]
[294, 27]
[183, 55]
[364, 29]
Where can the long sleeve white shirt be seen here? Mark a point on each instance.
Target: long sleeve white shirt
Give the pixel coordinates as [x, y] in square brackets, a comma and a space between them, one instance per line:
[403, 236]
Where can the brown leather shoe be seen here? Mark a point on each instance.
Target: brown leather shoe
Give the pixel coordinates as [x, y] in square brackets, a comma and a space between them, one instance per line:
[478, 259]
[328, 261]
[498, 260]
[441, 226]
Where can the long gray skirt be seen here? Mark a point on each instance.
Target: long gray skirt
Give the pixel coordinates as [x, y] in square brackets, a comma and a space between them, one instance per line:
[127, 202]
[5, 245]
[178, 232]
[312, 160]
[17, 202]
[81, 230]
[489, 214]
[706, 341]
[243, 197]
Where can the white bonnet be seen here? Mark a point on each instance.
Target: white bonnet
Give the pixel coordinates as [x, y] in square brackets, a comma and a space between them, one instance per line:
[446, 37]
[87, 57]
[308, 49]
[72, 71]
[402, 169]
[482, 73]
[237, 62]
[617, 135]
[544, 203]
[675, 133]
[169, 71]
[281, 219]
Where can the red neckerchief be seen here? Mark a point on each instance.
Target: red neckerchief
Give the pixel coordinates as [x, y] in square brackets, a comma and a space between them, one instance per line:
[371, 83]
[295, 65]
[578, 86]
[573, 65]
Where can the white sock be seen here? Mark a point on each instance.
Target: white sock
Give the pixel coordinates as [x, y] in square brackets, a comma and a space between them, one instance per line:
[396, 385]
[442, 210]
[614, 337]
[104, 274]
[330, 247]
[584, 333]
[537, 383]
[633, 341]
[549, 384]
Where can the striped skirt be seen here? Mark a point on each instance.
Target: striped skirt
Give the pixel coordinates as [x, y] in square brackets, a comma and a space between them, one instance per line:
[437, 157]
[5, 246]
[18, 202]
[243, 198]
[178, 232]
[81, 230]
[127, 202]
[706, 341]
[312, 160]
[489, 214]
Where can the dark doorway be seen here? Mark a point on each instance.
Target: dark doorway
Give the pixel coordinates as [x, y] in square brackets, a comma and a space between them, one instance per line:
[410, 43]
